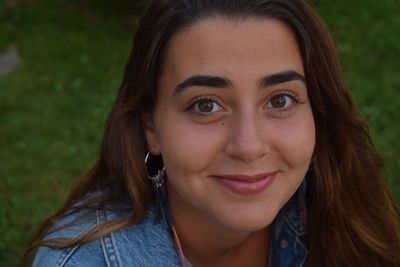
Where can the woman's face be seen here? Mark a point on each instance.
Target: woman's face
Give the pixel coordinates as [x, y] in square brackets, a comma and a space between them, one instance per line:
[232, 121]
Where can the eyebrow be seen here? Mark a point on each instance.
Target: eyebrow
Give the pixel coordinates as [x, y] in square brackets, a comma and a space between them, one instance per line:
[281, 77]
[202, 80]
[220, 82]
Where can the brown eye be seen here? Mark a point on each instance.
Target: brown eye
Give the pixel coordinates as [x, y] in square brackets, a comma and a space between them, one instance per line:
[281, 101]
[205, 106]
[278, 101]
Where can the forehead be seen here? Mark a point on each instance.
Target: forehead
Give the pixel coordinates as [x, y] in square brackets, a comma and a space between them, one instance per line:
[222, 46]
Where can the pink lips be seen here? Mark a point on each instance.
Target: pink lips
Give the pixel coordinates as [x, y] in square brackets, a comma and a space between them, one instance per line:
[246, 185]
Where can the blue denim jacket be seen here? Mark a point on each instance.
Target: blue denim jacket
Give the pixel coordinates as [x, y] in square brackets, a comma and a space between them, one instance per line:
[149, 242]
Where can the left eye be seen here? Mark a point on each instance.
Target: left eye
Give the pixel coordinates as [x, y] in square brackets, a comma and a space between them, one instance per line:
[205, 106]
[281, 101]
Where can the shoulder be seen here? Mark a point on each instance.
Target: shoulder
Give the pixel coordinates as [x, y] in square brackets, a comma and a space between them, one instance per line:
[144, 244]
[84, 255]
[69, 227]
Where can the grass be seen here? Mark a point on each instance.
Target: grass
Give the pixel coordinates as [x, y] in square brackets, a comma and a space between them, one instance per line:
[368, 37]
[53, 106]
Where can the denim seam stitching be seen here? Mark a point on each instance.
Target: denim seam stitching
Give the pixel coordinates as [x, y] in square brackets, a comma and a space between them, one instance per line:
[117, 256]
[62, 260]
[108, 245]
[103, 246]
[293, 227]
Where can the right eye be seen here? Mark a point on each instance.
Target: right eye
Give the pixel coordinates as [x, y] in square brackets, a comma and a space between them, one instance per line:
[205, 106]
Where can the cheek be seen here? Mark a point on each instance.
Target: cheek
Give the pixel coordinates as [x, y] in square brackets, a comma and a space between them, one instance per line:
[188, 148]
[295, 141]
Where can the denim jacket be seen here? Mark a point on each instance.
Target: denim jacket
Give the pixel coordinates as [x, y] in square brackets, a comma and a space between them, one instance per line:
[149, 243]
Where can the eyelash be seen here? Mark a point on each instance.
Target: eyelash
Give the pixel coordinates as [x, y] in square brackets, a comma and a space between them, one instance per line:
[288, 93]
[198, 100]
[295, 98]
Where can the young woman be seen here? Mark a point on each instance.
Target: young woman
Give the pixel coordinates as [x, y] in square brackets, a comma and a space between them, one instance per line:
[233, 142]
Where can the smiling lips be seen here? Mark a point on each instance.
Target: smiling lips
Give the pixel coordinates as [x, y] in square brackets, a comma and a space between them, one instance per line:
[246, 185]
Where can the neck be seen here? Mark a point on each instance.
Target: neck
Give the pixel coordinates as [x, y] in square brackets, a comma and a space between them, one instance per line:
[207, 243]
[251, 250]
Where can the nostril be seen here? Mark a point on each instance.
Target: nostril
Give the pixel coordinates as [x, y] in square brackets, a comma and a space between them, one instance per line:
[247, 150]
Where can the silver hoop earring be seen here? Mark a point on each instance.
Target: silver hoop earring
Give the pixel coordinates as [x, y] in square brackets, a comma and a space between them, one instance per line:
[158, 178]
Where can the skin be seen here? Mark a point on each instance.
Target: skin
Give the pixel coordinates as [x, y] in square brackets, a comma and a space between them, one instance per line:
[235, 128]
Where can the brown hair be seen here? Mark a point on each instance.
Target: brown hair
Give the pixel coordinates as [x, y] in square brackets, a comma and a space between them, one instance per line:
[352, 220]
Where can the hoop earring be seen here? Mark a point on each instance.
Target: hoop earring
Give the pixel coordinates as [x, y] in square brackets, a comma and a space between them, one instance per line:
[158, 178]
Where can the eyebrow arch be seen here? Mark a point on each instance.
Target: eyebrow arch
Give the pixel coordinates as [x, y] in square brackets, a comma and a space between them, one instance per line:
[202, 80]
[219, 82]
[281, 77]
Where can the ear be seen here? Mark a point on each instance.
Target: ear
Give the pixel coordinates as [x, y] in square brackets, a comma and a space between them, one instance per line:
[153, 144]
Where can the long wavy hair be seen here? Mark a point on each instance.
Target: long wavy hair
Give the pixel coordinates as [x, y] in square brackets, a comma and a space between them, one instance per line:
[352, 219]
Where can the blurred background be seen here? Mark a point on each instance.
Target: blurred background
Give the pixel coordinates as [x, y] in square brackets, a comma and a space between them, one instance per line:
[61, 64]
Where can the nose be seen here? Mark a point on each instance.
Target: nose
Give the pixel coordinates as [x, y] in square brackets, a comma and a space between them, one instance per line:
[247, 140]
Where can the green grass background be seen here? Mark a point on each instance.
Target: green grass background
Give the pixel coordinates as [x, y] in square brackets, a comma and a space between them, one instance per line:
[53, 106]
